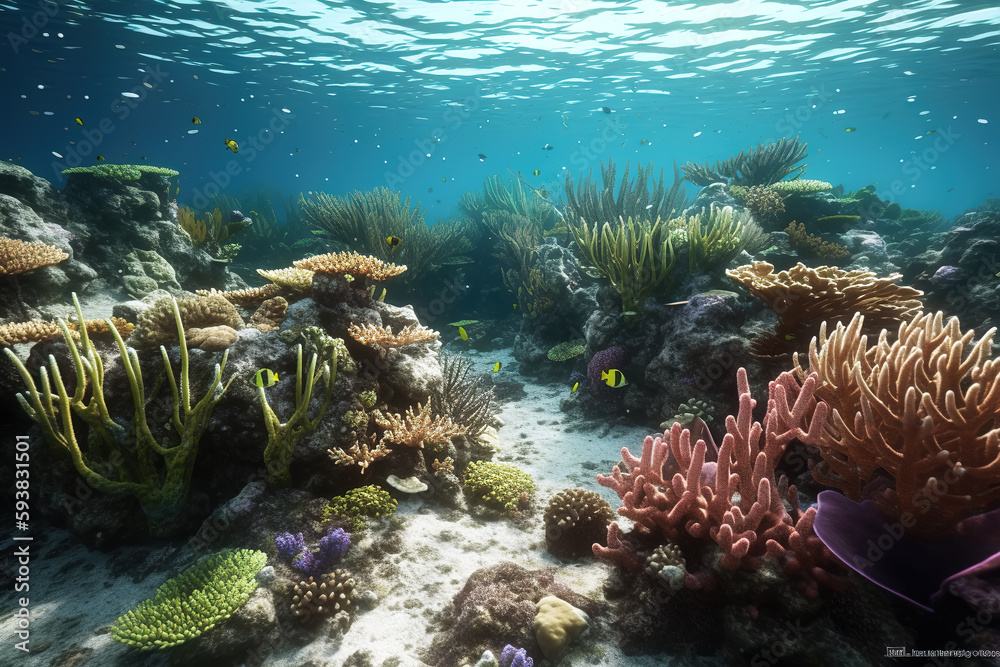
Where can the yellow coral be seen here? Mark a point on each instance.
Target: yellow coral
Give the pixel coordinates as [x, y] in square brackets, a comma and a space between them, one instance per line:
[351, 263]
[34, 331]
[21, 256]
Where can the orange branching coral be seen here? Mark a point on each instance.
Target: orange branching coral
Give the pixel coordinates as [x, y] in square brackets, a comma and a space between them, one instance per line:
[416, 428]
[100, 328]
[244, 297]
[351, 263]
[21, 256]
[363, 453]
[803, 295]
[375, 336]
[810, 244]
[923, 409]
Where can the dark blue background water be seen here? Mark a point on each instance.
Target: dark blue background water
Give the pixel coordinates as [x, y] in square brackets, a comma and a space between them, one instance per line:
[341, 96]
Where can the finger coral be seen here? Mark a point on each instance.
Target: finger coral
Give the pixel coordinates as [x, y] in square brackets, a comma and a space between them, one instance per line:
[22, 256]
[328, 595]
[920, 411]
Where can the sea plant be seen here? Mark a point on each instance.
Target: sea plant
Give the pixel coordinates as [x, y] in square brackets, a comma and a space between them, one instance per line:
[119, 459]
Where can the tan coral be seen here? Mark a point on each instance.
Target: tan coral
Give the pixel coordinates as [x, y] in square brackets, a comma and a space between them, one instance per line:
[351, 263]
[270, 315]
[212, 339]
[244, 297]
[21, 256]
[375, 336]
[34, 331]
[332, 594]
[363, 452]
[418, 427]
[803, 295]
[290, 279]
[100, 328]
[807, 243]
[157, 326]
[923, 409]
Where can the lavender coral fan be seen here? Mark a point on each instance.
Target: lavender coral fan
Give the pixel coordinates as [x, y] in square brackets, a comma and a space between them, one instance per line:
[331, 549]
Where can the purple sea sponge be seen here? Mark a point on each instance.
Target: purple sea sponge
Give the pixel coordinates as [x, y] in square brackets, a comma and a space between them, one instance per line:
[290, 545]
[515, 657]
[605, 360]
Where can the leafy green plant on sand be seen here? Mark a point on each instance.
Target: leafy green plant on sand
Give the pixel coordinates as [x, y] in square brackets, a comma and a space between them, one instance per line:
[636, 256]
[283, 437]
[118, 459]
[193, 602]
[498, 484]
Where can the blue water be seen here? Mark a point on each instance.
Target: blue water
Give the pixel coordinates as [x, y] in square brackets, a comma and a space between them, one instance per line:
[337, 96]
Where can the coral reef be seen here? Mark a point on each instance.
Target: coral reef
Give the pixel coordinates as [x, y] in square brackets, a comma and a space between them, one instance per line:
[375, 336]
[810, 244]
[21, 256]
[118, 460]
[499, 485]
[363, 502]
[574, 520]
[416, 428]
[912, 411]
[352, 264]
[332, 595]
[193, 602]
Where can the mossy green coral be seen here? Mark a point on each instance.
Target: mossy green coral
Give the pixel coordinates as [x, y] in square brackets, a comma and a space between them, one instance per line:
[801, 186]
[498, 483]
[356, 504]
[368, 399]
[567, 350]
[317, 341]
[121, 172]
[193, 602]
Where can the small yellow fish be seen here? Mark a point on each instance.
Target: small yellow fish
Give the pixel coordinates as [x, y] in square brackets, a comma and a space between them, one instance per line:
[79, 122]
[496, 367]
[575, 387]
[930, 131]
[789, 337]
[444, 179]
[515, 306]
[850, 129]
[196, 120]
[381, 297]
[99, 158]
[536, 172]
[462, 333]
[265, 377]
[393, 241]
[613, 378]
[177, 190]
[232, 145]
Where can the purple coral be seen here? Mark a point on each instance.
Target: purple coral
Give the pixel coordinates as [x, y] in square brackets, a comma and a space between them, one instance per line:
[603, 361]
[515, 657]
[332, 548]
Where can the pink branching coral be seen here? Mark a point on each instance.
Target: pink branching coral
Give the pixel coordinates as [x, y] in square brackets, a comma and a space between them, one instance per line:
[737, 502]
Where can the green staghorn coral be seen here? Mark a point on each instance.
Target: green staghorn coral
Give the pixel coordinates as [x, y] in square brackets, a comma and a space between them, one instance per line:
[567, 350]
[801, 186]
[193, 602]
